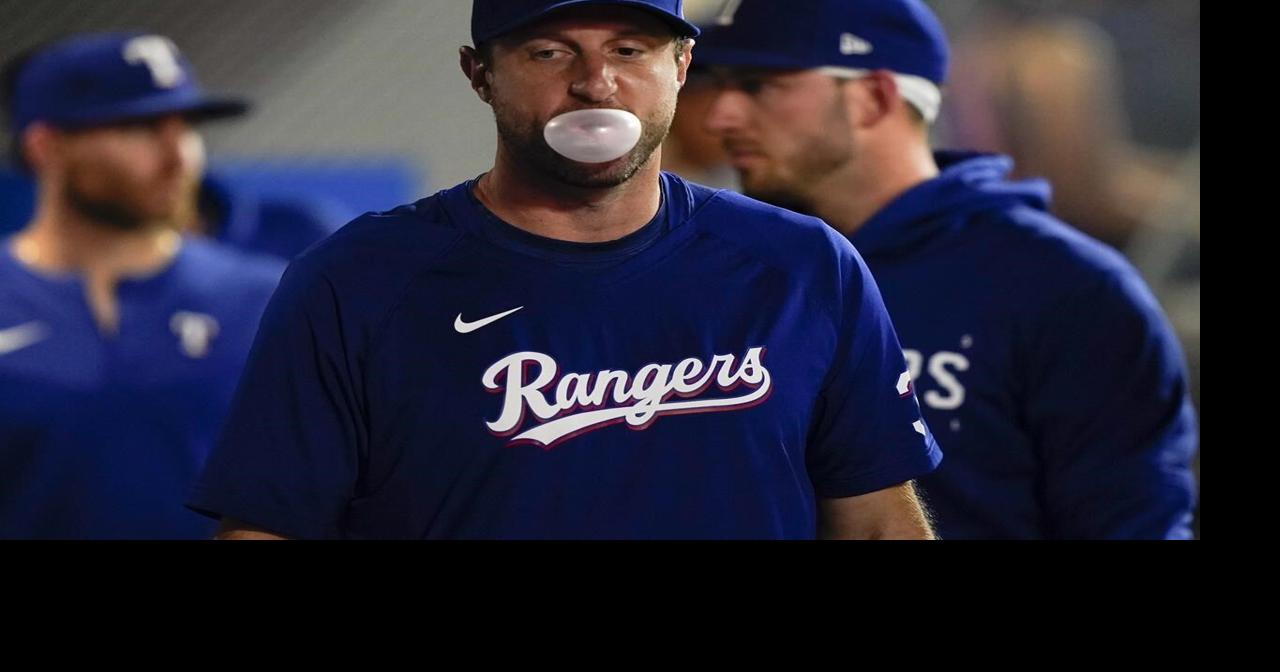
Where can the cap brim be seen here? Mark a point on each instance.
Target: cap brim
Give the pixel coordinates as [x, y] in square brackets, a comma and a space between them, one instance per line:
[705, 54]
[220, 109]
[201, 108]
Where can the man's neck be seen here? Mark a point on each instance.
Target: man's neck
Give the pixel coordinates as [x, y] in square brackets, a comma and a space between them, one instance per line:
[60, 241]
[848, 201]
[546, 207]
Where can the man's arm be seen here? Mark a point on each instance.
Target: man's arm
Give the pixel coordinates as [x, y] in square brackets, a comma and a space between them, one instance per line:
[234, 530]
[892, 513]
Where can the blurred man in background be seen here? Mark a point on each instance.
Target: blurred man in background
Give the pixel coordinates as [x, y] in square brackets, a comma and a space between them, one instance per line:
[1043, 362]
[121, 340]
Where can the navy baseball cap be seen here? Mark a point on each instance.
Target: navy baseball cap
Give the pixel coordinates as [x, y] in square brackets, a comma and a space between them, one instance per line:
[91, 80]
[491, 18]
[850, 36]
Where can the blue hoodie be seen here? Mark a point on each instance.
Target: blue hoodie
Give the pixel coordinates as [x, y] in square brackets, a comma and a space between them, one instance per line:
[1044, 366]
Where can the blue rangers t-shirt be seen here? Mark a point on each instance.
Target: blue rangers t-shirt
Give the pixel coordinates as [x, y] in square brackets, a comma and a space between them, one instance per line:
[434, 372]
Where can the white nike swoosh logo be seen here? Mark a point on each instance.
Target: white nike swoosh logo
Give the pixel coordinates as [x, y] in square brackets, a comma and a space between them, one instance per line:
[463, 327]
[16, 338]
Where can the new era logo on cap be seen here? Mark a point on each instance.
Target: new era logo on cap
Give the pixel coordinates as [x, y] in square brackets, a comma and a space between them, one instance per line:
[851, 44]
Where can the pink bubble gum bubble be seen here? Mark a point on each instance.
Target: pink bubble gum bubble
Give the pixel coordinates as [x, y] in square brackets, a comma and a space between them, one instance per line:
[593, 136]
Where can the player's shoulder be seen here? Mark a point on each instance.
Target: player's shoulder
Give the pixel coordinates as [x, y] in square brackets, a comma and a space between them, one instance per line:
[228, 262]
[379, 247]
[1055, 253]
[12, 274]
[784, 239]
[226, 274]
[1061, 271]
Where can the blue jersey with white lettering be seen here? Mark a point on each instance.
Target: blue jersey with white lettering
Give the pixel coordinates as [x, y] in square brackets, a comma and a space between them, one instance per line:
[434, 372]
[1044, 365]
[102, 436]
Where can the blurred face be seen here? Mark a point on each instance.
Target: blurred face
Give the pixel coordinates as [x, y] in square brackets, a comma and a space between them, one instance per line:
[133, 174]
[783, 130]
[612, 58]
[696, 144]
